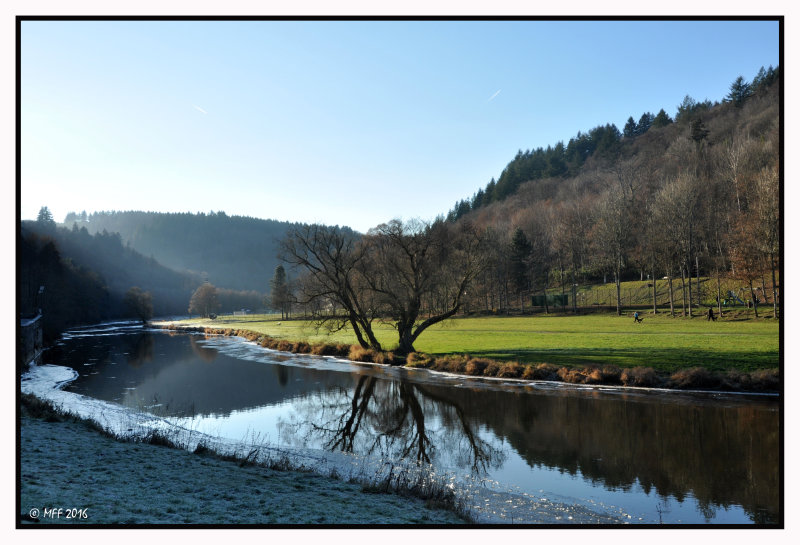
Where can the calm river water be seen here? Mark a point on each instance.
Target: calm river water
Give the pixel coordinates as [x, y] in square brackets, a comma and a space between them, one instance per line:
[631, 457]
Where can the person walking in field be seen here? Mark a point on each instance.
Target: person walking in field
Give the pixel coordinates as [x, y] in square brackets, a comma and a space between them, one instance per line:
[636, 317]
[711, 315]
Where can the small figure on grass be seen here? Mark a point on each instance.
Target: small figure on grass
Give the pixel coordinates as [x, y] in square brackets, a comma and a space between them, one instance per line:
[711, 315]
[636, 317]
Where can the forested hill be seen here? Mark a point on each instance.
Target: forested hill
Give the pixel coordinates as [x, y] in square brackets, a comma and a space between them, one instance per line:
[232, 252]
[685, 198]
[85, 277]
[606, 144]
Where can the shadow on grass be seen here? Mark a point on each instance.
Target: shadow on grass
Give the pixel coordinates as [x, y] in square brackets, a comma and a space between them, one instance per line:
[663, 359]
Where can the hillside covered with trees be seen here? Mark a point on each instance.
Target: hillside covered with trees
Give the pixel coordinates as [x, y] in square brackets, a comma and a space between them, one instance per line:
[78, 278]
[233, 252]
[697, 195]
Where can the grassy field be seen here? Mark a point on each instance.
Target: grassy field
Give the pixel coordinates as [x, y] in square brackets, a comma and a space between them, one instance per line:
[661, 342]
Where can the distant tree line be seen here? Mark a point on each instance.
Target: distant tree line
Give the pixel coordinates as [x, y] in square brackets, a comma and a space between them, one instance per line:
[230, 251]
[78, 278]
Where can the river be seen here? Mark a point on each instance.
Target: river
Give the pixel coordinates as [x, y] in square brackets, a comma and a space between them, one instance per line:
[519, 452]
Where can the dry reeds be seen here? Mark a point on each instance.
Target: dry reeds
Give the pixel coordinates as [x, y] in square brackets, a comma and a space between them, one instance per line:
[416, 359]
[511, 370]
[359, 353]
[695, 378]
[476, 366]
[542, 371]
[644, 377]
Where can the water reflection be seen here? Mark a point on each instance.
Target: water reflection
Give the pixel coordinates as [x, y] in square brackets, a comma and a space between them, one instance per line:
[717, 458]
[392, 419]
[715, 453]
[140, 348]
[206, 354]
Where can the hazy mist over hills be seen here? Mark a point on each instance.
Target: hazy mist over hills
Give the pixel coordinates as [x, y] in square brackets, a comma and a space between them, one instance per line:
[229, 251]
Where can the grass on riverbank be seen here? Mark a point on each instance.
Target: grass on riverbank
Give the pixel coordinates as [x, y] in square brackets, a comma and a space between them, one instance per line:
[732, 353]
[664, 343]
[72, 461]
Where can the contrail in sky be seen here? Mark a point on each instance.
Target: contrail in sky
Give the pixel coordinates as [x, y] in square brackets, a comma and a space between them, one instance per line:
[201, 110]
[491, 98]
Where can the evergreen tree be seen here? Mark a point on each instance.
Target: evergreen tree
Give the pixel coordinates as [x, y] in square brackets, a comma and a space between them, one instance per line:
[740, 92]
[685, 109]
[477, 199]
[519, 256]
[645, 122]
[45, 218]
[490, 193]
[698, 131]
[279, 293]
[760, 79]
[630, 128]
[662, 119]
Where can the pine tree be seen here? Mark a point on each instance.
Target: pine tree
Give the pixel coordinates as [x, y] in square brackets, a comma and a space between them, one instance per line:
[698, 130]
[760, 79]
[686, 108]
[279, 294]
[630, 128]
[645, 122]
[662, 119]
[520, 253]
[740, 92]
[45, 217]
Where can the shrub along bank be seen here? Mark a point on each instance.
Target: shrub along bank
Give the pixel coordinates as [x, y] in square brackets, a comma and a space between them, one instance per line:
[693, 378]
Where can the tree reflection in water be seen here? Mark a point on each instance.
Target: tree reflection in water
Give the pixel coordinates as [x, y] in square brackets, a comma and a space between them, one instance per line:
[388, 419]
[204, 353]
[140, 349]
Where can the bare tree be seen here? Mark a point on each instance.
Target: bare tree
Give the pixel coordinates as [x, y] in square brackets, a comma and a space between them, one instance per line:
[768, 227]
[676, 209]
[612, 236]
[333, 259]
[412, 275]
[408, 262]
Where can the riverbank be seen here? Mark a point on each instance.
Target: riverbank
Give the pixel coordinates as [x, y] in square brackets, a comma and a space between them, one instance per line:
[70, 463]
[689, 376]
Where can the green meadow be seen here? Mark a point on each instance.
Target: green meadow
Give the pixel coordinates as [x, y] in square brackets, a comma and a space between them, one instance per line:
[662, 342]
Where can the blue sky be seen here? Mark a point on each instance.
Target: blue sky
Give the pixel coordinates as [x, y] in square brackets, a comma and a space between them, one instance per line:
[348, 123]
